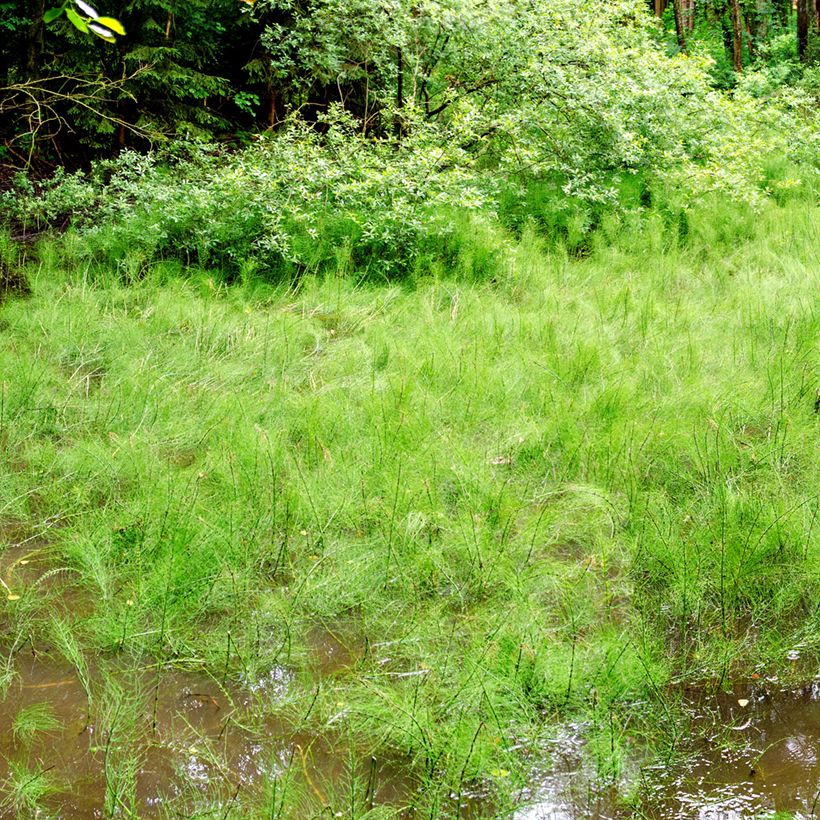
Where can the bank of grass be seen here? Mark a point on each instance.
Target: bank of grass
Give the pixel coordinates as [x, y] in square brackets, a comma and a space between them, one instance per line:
[524, 491]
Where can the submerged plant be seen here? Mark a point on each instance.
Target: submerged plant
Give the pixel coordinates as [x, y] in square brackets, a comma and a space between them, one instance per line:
[34, 720]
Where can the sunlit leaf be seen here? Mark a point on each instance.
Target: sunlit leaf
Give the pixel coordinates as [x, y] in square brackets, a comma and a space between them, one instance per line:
[111, 23]
[52, 14]
[77, 20]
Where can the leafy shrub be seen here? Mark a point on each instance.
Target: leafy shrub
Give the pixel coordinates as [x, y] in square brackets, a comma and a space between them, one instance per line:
[296, 202]
[335, 199]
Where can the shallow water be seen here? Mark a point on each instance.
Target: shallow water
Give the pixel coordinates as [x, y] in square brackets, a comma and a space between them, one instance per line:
[761, 754]
[28, 566]
[194, 741]
[185, 739]
[757, 752]
[335, 650]
[563, 785]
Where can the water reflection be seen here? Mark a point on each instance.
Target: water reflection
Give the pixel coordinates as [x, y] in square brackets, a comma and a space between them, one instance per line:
[197, 743]
[192, 744]
[758, 753]
[758, 758]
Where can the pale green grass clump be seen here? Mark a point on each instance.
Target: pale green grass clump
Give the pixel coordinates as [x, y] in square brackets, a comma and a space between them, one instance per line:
[538, 498]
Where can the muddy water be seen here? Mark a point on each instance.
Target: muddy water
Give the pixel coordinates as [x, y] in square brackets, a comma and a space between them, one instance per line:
[335, 650]
[563, 785]
[191, 742]
[173, 713]
[185, 740]
[29, 566]
[753, 751]
[761, 754]
[194, 742]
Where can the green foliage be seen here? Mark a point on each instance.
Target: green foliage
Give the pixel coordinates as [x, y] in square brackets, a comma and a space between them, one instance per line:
[494, 356]
[170, 74]
[290, 204]
[86, 20]
[299, 201]
[32, 721]
[532, 488]
[26, 788]
[565, 89]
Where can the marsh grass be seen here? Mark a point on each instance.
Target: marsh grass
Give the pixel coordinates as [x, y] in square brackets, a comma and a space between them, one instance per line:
[540, 483]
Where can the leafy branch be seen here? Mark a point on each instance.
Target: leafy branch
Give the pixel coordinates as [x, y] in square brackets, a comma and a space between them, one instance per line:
[89, 22]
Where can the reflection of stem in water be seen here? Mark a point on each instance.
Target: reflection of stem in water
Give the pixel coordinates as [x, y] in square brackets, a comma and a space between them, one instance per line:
[309, 779]
[156, 701]
[370, 794]
[23, 559]
[769, 774]
[466, 763]
[7, 581]
[50, 684]
[42, 771]
[124, 628]
[227, 659]
[233, 800]
[108, 742]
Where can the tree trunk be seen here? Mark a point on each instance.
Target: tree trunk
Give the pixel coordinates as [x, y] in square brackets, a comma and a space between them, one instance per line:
[35, 39]
[660, 7]
[737, 36]
[680, 26]
[750, 35]
[802, 28]
[399, 90]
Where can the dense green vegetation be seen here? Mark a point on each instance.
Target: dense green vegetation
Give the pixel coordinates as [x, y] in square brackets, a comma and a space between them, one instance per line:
[533, 489]
[218, 67]
[395, 386]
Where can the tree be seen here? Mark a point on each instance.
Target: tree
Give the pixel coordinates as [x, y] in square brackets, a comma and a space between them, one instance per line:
[737, 36]
[802, 29]
[680, 25]
[170, 74]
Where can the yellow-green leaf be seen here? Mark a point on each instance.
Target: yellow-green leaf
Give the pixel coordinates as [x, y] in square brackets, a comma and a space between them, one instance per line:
[112, 23]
